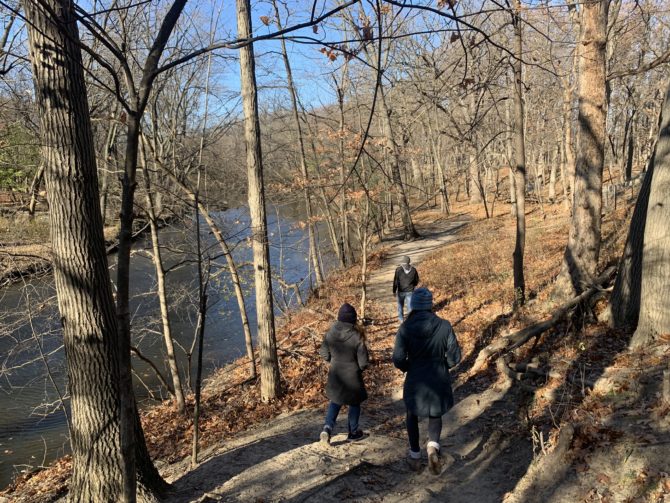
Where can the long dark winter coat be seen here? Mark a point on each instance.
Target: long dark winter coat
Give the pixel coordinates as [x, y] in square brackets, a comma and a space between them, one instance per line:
[426, 348]
[345, 349]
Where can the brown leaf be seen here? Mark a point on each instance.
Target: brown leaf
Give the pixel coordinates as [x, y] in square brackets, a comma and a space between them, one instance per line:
[265, 20]
[603, 479]
[315, 28]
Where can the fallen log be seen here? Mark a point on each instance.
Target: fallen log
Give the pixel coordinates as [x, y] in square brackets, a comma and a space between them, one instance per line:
[513, 341]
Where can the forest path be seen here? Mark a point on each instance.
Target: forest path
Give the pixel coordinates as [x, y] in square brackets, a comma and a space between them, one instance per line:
[433, 237]
[283, 460]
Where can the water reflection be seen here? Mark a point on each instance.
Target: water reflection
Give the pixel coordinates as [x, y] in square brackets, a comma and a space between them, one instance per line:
[33, 428]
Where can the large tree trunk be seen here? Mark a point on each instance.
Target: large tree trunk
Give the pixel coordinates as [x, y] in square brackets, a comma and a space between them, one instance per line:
[641, 296]
[581, 254]
[80, 263]
[519, 163]
[256, 195]
[311, 227]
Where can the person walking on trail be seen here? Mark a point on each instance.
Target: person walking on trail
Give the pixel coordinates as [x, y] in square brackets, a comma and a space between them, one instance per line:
[404, 282]
[426, 348]
[344, 347]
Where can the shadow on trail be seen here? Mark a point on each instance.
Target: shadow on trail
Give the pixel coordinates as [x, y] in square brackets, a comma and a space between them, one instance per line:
[214, 471]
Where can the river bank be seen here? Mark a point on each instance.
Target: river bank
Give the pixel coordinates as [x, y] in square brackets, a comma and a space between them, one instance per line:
[269, 451]
[33, 429]
[25, 249]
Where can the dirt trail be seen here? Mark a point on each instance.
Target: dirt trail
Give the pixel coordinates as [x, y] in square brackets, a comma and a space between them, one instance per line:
[283, 461]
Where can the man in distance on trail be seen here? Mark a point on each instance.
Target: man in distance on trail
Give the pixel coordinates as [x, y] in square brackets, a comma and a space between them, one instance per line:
[404, 282]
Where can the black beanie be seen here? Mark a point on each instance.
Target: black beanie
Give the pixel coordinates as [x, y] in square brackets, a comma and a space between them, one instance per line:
[347, 314]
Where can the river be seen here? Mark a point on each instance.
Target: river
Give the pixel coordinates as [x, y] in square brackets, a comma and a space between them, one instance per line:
[33, 428]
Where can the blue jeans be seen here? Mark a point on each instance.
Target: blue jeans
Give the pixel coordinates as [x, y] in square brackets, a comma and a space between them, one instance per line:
[403, 300]
[334, 410]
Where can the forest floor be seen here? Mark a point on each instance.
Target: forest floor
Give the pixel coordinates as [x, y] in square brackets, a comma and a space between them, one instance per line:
[590, 426]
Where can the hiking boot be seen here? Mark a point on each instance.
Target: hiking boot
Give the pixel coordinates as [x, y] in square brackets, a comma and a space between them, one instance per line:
[355, 435]
[434, 461]
[324, 438]
[413, 463]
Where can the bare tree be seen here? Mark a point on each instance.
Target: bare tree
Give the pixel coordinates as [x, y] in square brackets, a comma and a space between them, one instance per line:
[642, 288]
[519, 161]
[581, 254]
[90, 328]
[256, 196]
[311, 228]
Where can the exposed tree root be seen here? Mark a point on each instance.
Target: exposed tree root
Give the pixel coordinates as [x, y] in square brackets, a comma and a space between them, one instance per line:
[511, 342]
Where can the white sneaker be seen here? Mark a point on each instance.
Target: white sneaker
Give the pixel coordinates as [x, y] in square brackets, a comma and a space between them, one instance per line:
[434, 461]
[324, 437]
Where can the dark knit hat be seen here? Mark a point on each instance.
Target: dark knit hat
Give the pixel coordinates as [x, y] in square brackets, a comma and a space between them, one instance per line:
[347, 314]
[422, 300]
[404, 259]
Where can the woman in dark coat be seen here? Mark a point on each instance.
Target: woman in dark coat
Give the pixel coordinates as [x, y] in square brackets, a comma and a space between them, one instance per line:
[344, 347]
[426, 348]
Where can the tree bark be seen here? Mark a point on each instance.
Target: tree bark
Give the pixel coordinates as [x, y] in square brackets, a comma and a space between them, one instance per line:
[256, 195]
[90, 330]
[519, 163]
[581, 254]
[641, 296]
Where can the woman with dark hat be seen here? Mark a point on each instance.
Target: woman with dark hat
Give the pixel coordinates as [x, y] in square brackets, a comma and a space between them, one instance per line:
[344, 347]
[426, 348]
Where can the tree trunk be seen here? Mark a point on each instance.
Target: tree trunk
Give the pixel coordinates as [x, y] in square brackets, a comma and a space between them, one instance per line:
[641, 296]
[344, 245]
[162, 291]
[474, 184]
[581, 254]
[552, 175]
[256, 195]
[90, 331]
[232, 268]
[510, 162]
[441, 172]
[108, 152]
[35, 189]
[409, 232]
[630, 147]
[311, 228]
[519, 163]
